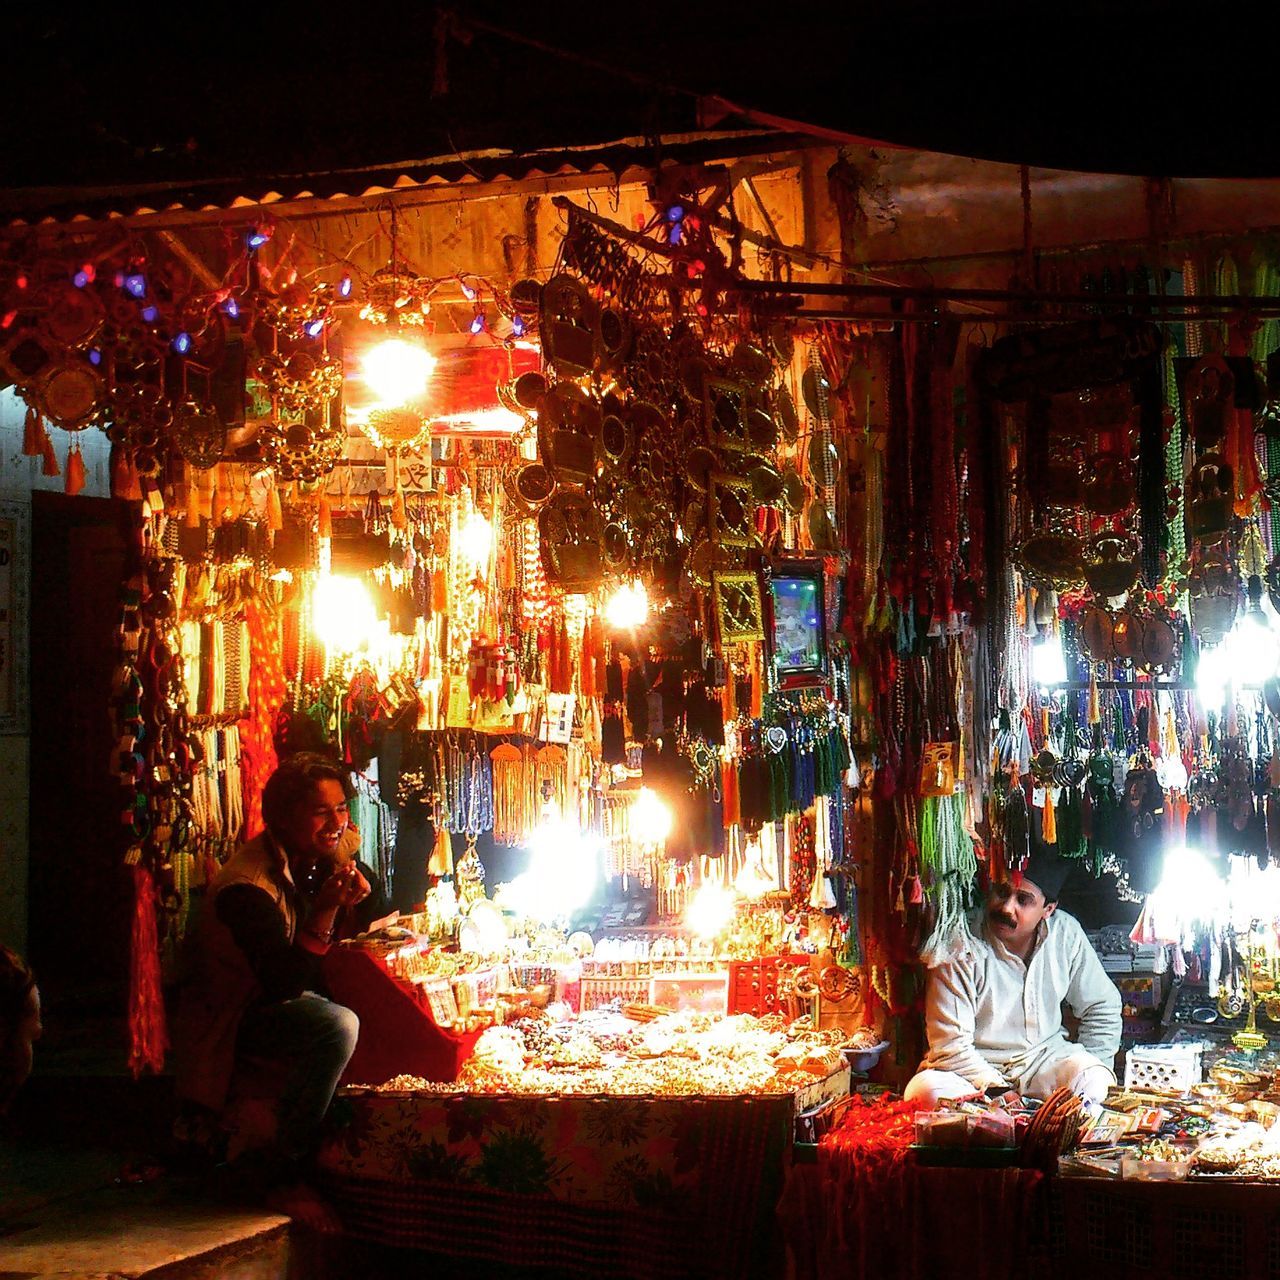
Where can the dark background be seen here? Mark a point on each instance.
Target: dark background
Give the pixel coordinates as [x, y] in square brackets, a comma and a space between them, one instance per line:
[152, 94]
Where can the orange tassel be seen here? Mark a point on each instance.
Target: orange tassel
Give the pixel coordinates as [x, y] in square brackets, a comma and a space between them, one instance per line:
[192, 520]
[588, 676]
[75, 470]
[729, 790]
[33, 433]
[441, 861]
[50, 467]
[1049, 829]
[324, 517]
[275, 516]
[399, 520]
[439, 592]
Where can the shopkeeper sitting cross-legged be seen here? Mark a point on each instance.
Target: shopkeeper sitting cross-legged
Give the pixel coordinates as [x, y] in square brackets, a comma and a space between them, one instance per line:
[251, 996]
[993, 1007]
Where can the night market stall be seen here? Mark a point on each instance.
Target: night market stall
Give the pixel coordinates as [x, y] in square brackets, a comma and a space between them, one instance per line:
[550, 550]
[705, 620]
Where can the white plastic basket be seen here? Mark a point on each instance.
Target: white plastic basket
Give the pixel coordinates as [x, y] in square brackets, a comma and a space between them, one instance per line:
[1175, 1067]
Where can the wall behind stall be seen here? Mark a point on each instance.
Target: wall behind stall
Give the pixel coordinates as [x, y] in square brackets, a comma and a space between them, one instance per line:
[20, 476]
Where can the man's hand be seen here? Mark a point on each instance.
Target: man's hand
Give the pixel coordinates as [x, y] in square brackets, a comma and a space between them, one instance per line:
[344, 888]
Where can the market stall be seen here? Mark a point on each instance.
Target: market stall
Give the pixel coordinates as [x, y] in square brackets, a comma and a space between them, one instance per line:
[701, 651]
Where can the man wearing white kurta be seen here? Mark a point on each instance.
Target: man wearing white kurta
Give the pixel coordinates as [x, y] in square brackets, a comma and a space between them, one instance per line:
[994, 1006]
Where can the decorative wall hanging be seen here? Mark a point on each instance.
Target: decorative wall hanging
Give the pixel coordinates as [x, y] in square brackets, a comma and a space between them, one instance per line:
[739, 610]
[731, 506]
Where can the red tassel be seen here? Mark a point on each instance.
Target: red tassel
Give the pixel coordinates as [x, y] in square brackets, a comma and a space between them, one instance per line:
[325, 518]
[32, 434]
[50, 467]
[75, 470]
[148, 1036]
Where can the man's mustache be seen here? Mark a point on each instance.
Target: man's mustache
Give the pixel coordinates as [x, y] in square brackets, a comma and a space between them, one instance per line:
[999, 917]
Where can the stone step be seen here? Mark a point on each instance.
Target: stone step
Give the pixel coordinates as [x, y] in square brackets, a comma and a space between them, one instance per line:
[157, 1231]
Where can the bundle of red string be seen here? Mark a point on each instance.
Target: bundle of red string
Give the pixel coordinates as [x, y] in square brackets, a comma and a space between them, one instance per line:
[862, 1165]
[148, 1035]
[266, 696]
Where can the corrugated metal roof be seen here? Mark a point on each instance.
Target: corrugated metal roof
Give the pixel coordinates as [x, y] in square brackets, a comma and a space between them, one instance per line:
[457, 173]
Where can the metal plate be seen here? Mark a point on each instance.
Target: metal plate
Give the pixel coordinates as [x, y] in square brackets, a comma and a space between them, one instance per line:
[794, 490]
[811, 384]
[71, 393]
[700, 464]
[784, 413]
[766, 484]
[822, 530]
[1053, 557]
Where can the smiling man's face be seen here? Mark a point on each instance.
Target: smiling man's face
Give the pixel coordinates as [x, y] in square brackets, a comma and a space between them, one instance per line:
[316, 824]
[1014, 915]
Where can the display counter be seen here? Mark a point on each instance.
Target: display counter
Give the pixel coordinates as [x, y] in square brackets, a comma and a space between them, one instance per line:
[630, 1187]
[627, 1140]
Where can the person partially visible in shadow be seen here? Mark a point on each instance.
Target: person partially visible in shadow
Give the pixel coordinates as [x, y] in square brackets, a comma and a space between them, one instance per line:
[20, 1024]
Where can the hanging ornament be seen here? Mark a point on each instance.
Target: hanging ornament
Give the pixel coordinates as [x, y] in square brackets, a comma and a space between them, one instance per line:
[75, 480]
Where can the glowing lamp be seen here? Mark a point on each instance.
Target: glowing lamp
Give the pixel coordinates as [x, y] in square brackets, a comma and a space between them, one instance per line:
[95, 356]
[182, 343]
[315, 328]
[477, 324]
[650, 819]
[344, 287]
[1048, 666]
[397, 371]
[135, 284]
[1213, 674]
[232, 308]
[518, 326]
[150, 314]
[1253, 646]
[628, 607]
[564, 868]
[342, 613]
[257, 237]
[1190, 889]
[475, 538]
[711, 911]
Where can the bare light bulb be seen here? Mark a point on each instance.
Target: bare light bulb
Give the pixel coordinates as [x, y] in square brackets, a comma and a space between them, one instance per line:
[711, 911]
[342, 613]
[628, 607]
[475, 538]
[398, 371]
[650, 819]
[1048, 666]
[1254, 648]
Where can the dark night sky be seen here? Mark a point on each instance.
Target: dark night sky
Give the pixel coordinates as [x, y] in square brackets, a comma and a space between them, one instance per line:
[241, 90]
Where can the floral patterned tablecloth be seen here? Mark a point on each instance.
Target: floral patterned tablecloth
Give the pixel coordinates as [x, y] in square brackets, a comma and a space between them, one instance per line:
[636, 1187]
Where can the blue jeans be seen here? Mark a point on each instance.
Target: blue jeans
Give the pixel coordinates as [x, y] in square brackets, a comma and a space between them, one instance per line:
[316, 1039]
